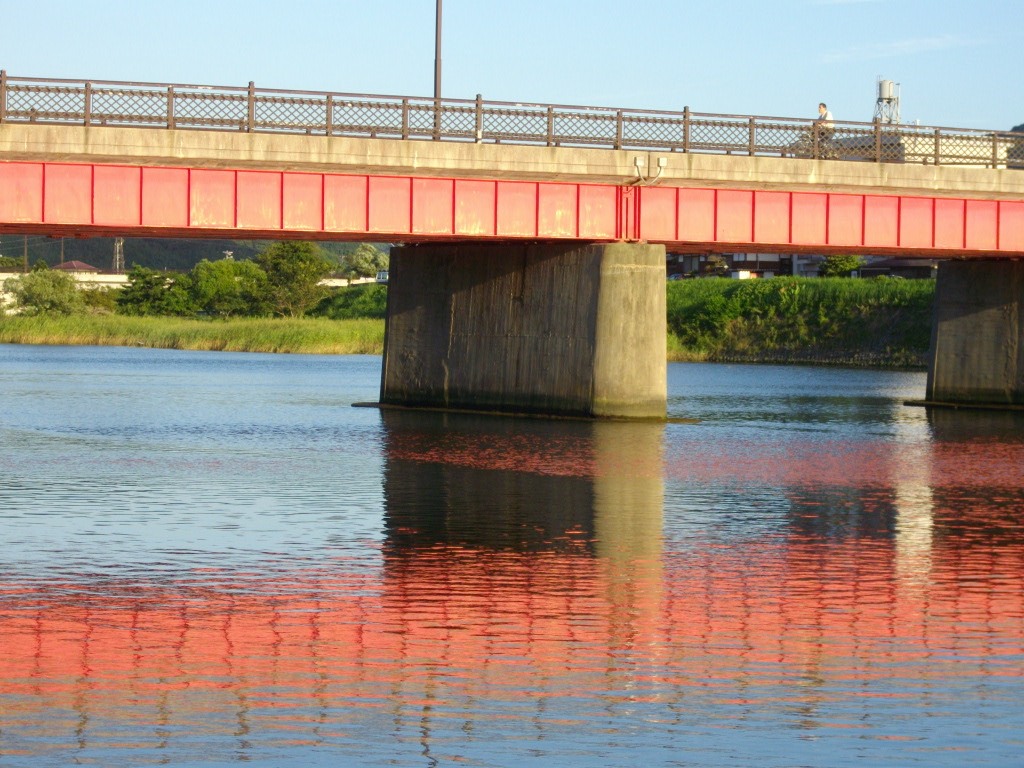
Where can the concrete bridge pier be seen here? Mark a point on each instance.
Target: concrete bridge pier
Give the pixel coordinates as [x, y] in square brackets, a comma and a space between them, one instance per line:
[977, 348]
[556, 328]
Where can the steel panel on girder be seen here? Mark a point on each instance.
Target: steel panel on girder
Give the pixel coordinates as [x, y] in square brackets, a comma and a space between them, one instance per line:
[211, 197]
[657, 213]
[734, 218]
[845, 219]
[67, 194]
[916, 222]
[696, 215]
[771, 217]
[165, 197]
[259, 200]
[881, 221]
[981, 229]
[21, 192]
[302, 201]
[949, 223]
[389, 204]
[117, 195]
[1011, 226]
[475, 207]
[810, 218]
[433, 206]
[517, 209]
[556, 209]
[598, 211]
[346, 207]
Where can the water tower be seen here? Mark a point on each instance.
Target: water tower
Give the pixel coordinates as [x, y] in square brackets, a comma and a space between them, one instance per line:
[887, 106]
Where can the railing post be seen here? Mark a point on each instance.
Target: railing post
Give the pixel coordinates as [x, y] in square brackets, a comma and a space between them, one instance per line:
[329, 116]
[686, 129]
[170, 107]
[995, 151]
[938, 147]
[551, 127]
[751, 137]
[815, 142]
[250, 123]
[618, 129]
[3, 94]
[87, 112]
[405, 118]
[437, 120]
[878, 141]
[479, 118]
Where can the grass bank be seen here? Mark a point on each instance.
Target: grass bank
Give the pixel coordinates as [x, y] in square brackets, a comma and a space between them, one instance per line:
[298, 335]
[878, 322]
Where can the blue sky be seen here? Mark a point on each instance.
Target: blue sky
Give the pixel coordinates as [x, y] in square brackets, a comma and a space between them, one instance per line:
[958, 63]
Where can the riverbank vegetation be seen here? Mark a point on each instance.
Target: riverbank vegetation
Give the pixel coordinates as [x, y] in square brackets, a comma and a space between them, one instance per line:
[264, 334]
[874, 322]
[276, 303]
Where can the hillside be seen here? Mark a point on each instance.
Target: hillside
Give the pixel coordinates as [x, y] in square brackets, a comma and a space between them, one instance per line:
[155, 253]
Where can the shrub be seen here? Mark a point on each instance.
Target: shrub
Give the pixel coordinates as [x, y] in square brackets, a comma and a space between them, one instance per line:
[839, 265]
[46, 290]
[368, 301]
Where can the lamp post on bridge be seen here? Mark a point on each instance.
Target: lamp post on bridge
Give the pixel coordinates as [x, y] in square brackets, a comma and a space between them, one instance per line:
[437, 73]
[437, 53]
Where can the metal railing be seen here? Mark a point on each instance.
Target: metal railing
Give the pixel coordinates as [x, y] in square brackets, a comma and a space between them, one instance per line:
[176, 106]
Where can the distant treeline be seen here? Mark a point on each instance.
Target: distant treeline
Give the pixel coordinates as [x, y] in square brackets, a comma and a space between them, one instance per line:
[176, 255]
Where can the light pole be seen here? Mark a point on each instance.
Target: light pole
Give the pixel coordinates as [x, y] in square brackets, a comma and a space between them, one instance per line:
[437, 53]
[437, 73]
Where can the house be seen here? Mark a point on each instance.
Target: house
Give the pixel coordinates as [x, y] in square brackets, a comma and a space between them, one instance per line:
[76, 268]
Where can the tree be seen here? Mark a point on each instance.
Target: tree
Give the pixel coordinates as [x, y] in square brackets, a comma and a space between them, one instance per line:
[716, 265]
[364, 261]
[839, 265]
[294, 271]
[150, 292]
[227, 288]
[46, 290]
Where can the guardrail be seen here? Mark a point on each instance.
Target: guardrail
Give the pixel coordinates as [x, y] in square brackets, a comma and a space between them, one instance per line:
[205, 107]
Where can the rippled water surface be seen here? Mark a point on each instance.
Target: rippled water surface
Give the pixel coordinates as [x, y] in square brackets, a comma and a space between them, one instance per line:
[211, 558]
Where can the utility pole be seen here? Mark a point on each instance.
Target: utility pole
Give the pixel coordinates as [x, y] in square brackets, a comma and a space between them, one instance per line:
[118, 255]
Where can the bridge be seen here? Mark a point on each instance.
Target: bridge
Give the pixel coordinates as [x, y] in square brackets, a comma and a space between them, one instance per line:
[508, 210]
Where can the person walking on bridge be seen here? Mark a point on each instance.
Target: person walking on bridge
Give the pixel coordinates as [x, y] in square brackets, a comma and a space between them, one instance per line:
[824, 121]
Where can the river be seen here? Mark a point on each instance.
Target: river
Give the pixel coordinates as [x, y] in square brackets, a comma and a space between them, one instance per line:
[213, 558]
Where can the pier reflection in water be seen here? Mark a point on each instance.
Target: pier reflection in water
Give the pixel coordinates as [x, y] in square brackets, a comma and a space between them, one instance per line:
[540, 592]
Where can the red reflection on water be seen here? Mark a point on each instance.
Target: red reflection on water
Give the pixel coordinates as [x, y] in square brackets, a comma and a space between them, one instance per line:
[845, 462]
[489, 624]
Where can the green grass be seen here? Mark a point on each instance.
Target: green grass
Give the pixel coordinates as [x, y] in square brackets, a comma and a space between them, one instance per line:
[299, 335]
[879, 322]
